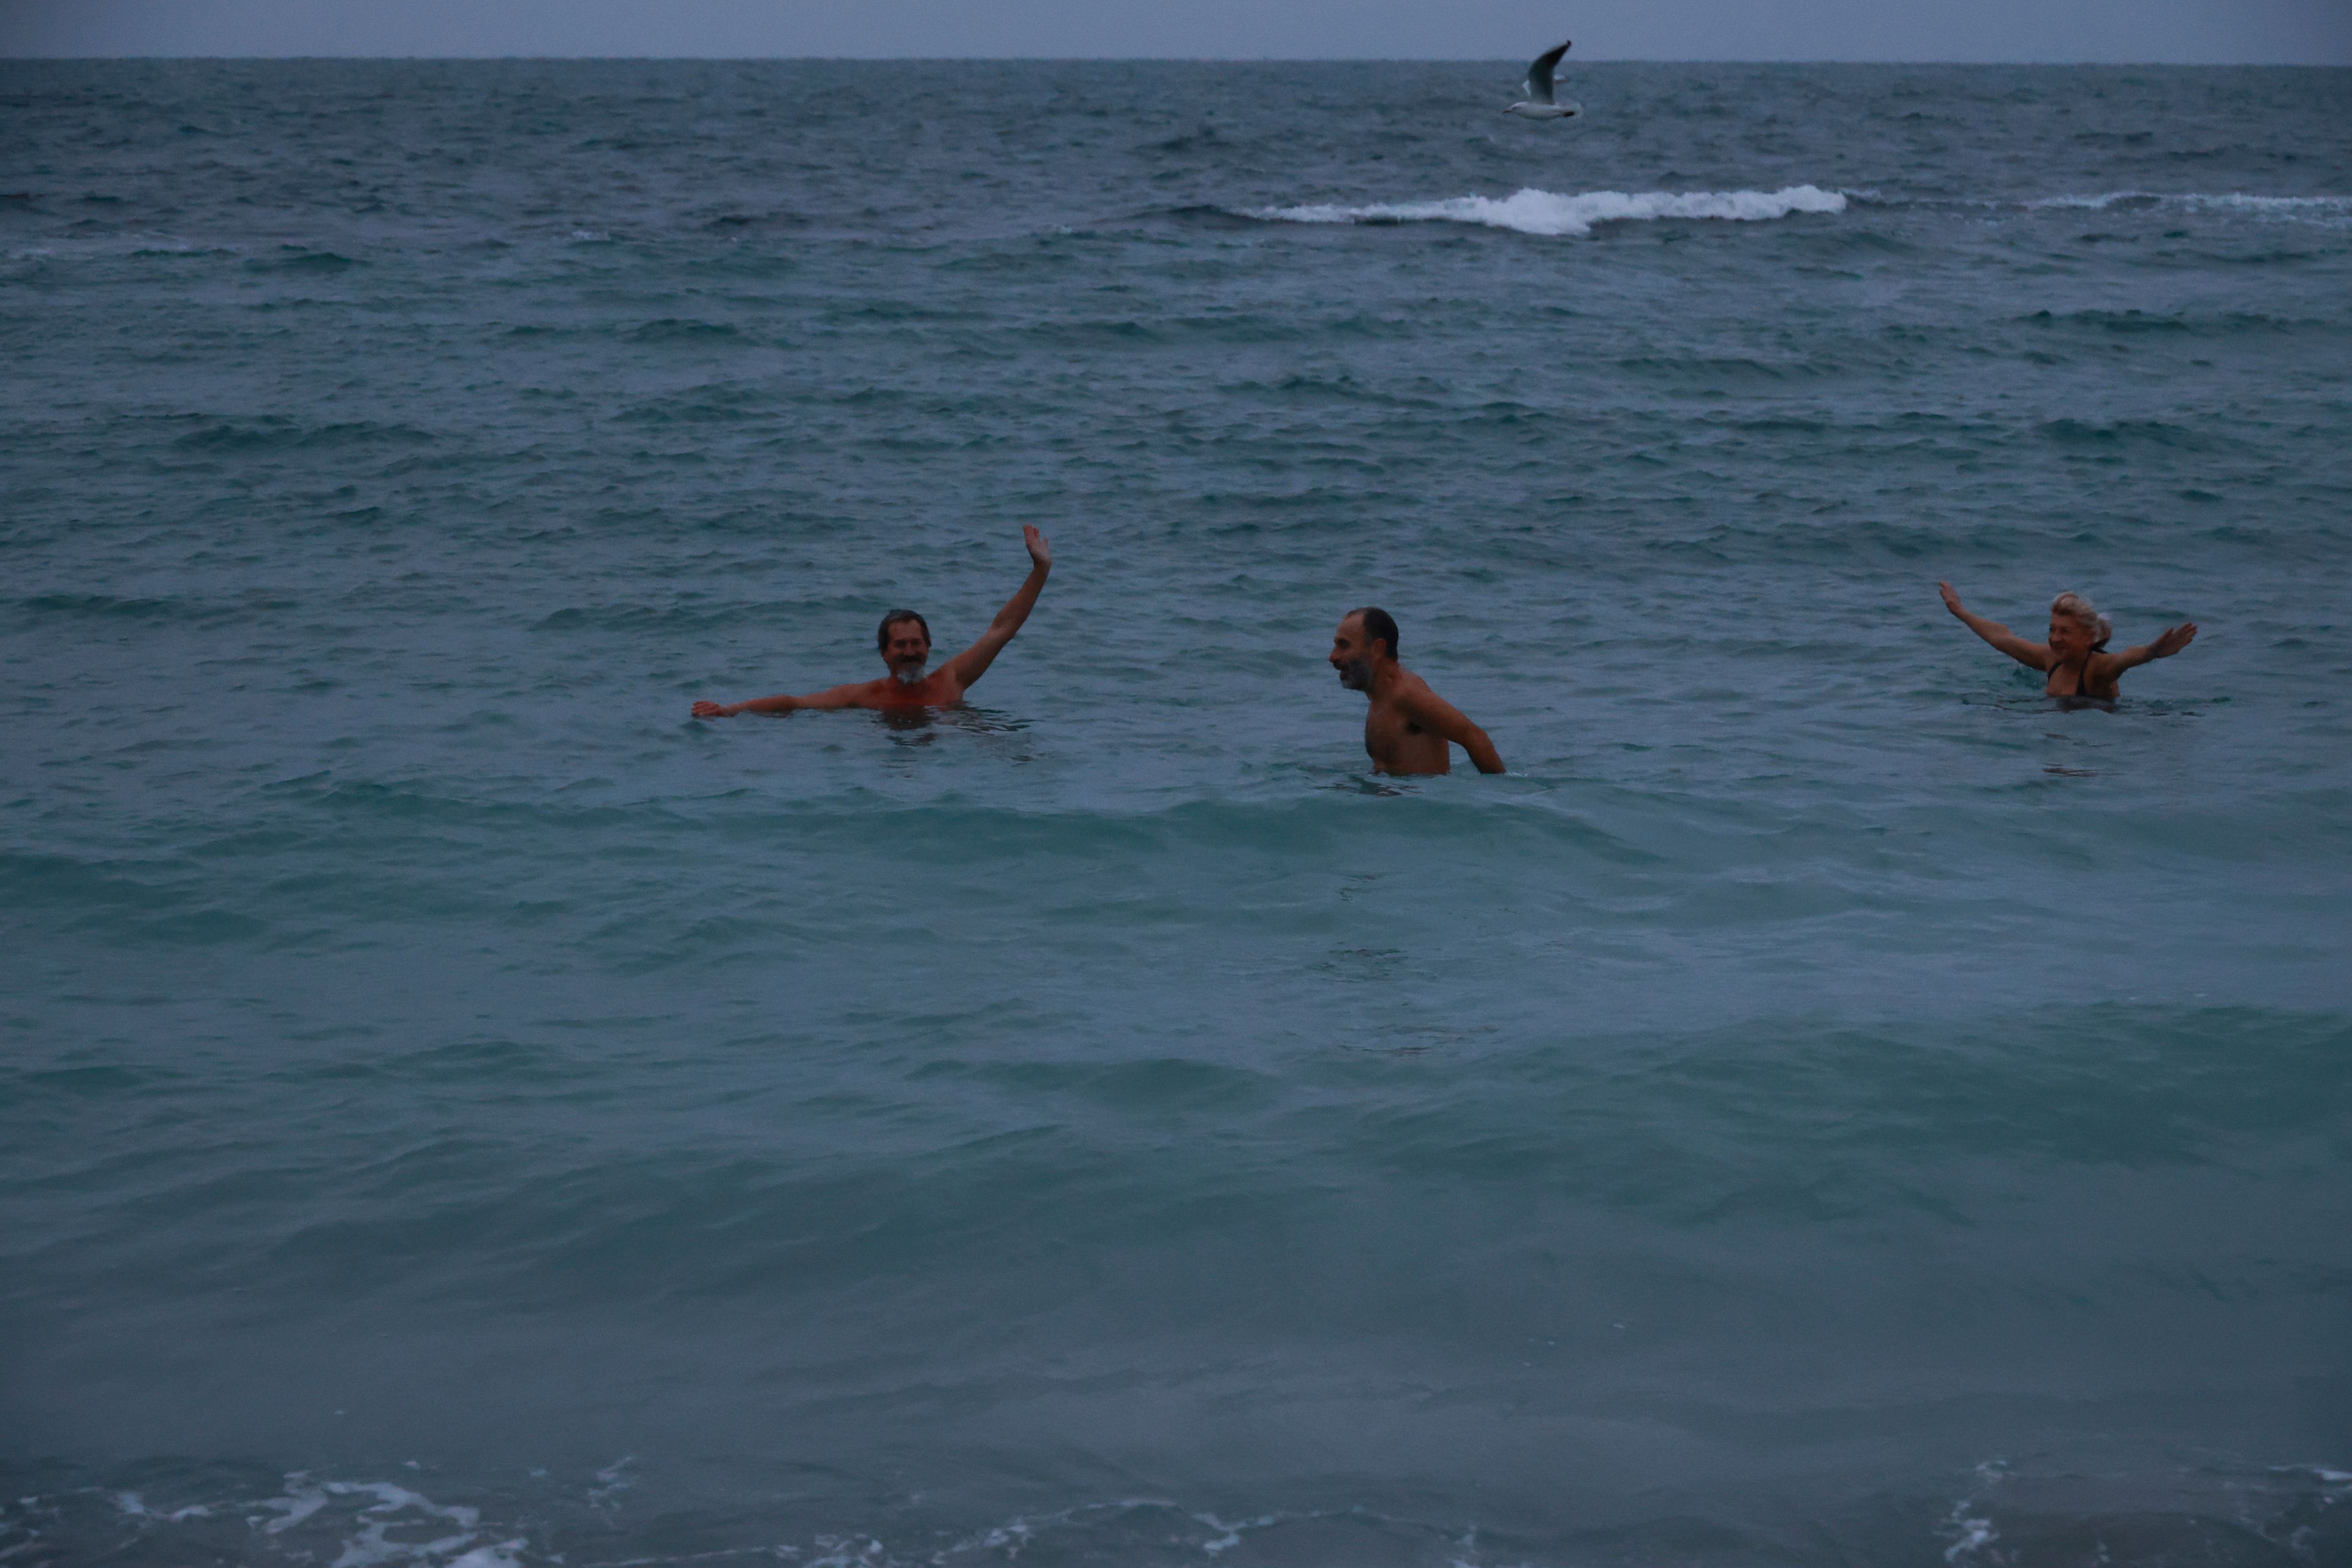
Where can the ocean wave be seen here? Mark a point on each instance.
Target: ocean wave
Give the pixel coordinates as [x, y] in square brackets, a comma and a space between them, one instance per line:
[366, 1524]
[681, 330]
[1552, 212]
[297, 260]
[2005, 1513]
[2320, 207]
[84, 249]
[2325, 209]
[1548, 213]
[275, 432]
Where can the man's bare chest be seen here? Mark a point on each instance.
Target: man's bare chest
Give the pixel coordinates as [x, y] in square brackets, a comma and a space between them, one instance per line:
[1387, 728]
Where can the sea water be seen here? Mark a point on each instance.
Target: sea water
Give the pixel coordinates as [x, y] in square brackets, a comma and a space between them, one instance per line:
[1828, 1104]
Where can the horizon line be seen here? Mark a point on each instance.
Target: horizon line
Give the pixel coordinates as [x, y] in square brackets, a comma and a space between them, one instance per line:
[1157, 59]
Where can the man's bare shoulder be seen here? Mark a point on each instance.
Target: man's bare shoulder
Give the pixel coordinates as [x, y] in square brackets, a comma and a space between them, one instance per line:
[1415, 694]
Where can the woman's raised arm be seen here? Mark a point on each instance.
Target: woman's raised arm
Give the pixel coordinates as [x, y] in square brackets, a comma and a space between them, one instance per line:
[2167, 643]
[2032, 655]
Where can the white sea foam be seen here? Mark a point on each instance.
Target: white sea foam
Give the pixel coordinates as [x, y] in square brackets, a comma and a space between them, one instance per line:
[1230, 1532]
[395, 1508]
[501, 1555]
[301, 1500]
[615, 1480]
[1532, 210]
[1974, 1532]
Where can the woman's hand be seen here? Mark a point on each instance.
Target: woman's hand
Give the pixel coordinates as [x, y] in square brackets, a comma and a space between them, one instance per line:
[713, 711]
[2173, 640]
[1951, 600]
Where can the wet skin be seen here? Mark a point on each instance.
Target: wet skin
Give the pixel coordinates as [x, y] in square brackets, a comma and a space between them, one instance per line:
[2075, 667]
[1409, 728]
[905, 650]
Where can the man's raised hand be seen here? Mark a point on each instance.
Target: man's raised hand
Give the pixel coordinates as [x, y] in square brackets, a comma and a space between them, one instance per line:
[1040, 550]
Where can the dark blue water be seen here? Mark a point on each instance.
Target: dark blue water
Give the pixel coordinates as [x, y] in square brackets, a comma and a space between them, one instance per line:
[1828, 1104]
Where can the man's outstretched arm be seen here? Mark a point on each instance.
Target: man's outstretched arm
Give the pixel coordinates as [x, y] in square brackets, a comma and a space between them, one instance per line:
[1434, 713]
[831, 697]
[973, 662]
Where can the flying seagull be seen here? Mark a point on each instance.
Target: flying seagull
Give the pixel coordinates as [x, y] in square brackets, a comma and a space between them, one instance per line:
[1538, 104]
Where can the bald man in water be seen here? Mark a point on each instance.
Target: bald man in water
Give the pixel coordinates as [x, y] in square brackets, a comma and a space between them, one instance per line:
[904, 639]
[1410, 726]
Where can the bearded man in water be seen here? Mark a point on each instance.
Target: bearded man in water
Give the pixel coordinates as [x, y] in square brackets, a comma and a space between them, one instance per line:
[1410, 726]
[905, 640]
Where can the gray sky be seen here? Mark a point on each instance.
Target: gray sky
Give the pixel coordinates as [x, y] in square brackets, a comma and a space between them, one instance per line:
[2306, 32]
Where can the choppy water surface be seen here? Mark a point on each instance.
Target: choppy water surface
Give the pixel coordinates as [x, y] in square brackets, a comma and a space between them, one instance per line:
[1828, 1105]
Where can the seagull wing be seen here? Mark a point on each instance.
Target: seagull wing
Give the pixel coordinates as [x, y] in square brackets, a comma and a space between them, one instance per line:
[1539, 74]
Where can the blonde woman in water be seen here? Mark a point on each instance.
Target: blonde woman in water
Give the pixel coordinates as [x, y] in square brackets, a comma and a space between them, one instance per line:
[2077, 656]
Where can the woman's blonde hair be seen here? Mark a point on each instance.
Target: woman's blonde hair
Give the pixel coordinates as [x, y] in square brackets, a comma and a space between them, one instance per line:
[2082, 611]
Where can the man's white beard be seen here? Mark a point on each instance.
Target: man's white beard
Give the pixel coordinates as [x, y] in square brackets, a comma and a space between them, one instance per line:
[906, 674]
[1356, 676]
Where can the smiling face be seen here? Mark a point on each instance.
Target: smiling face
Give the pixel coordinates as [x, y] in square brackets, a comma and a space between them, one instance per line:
[1353, 656]
[2069, 639]
[907, 649]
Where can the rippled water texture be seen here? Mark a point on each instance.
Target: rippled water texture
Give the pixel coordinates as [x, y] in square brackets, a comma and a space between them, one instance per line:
[1828, 1105]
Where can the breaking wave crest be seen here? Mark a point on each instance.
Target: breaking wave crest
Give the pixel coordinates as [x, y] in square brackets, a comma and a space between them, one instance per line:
[1532, 210]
